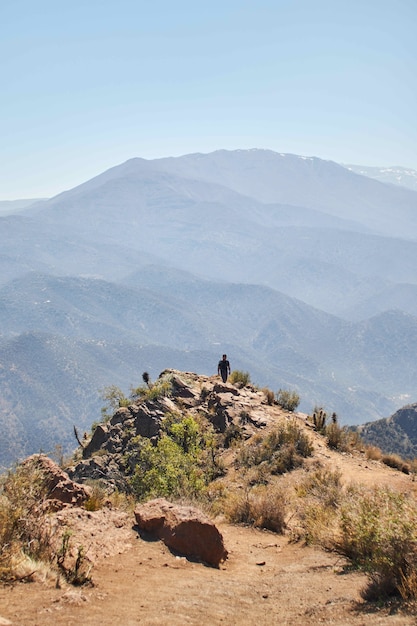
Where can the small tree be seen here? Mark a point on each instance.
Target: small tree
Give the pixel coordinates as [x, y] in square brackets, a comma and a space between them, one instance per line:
[115, 399]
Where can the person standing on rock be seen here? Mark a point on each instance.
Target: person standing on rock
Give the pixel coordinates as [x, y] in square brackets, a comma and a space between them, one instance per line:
[223, 368]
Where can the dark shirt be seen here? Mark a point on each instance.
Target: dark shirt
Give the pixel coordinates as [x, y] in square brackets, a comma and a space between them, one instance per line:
[224, 365]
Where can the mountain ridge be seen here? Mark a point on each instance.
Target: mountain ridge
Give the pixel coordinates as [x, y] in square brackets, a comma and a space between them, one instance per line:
[320, 247]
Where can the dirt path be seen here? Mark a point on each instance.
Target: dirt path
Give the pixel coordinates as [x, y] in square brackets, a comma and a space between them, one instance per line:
[265, 581]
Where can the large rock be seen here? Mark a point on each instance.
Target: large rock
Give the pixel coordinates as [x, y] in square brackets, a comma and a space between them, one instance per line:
[184, 529]
[100, 435]
[57, 482]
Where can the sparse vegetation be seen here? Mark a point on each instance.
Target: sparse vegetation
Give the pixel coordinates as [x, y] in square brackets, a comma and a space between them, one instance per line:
[236, 471]
[239, 378]
[287, 399]
[378, 534]
[395, 461]
[319, 419]
[319, 495]
[269, 395]
[260, 507]
[281, 450]
[373, 528]
[23, 533]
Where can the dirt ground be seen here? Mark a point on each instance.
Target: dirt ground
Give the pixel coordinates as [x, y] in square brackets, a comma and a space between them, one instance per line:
[266, 579]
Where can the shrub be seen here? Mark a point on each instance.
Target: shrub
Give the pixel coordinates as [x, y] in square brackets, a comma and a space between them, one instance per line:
[378, 534]
[321, 493]
[261, 507]
[239, 378]
[288, 400]
[97, 497]
[24, 533]
[232, 434]
[281, 450]
[115, 399]
[396, 462]
[174, 465]
[160, 389]
[269, 395]
[373, 453]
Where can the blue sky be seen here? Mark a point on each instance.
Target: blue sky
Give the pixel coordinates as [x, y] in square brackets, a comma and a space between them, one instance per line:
[88, 84]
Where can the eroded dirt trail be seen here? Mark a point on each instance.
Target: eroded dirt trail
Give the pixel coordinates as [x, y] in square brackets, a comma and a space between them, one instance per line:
[265, 581]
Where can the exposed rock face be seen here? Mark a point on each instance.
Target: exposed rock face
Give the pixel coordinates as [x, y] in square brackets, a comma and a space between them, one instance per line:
[105, 468]
[60, 487]
[112, 452]
[184, 529]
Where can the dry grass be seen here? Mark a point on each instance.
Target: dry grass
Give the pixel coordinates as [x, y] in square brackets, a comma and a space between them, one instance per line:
[260, 507]
[396, 462]
[373, 453]
[23, 531]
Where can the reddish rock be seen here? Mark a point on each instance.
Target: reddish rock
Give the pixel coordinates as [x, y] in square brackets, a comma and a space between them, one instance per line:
[183, 529]
[58, 484]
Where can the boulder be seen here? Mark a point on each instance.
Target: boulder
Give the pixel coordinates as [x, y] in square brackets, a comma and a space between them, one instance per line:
[183, 529]
[100, 435]
[120, 416]
[58, 484]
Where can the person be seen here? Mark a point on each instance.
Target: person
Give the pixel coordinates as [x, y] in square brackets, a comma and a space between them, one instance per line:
[223, 368]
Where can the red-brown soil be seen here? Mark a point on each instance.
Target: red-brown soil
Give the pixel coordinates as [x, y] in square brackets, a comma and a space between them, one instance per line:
[265, 580]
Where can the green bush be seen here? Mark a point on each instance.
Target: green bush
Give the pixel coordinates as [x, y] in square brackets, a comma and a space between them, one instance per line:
[115, 399]
[239, 378]
[288, 400]
[174, 466]
[379, 535]
[162, 388]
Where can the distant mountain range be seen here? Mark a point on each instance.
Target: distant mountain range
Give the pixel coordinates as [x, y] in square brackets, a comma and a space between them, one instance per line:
[302, 271]
[402, 176]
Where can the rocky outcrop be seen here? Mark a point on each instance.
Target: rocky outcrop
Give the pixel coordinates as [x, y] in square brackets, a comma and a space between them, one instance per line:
[183, 529]
[59, 486]
[112, 452]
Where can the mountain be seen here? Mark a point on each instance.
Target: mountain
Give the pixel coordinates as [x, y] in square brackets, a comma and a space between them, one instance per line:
[50, 383]
[395, 175]
[396, 434]
[7, 207]
[302, 271]
[138, 211]
[64, 338]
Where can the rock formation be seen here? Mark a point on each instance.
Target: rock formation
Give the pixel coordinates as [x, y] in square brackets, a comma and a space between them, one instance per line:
[183, 529]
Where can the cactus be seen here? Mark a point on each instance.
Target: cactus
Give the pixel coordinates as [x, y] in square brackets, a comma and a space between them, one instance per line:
[319, 419]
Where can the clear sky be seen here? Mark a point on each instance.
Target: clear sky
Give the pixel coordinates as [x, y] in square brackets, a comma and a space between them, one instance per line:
[88, 84]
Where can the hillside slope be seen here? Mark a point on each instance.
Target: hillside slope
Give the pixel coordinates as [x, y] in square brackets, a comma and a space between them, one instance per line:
[267, 578]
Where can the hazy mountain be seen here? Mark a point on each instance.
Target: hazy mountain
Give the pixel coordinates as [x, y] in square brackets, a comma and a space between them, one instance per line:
[248, 252]
[49, 383]
[395, 175]
[7, 207]
[304, 181]
[330, 262]
[90, 333]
